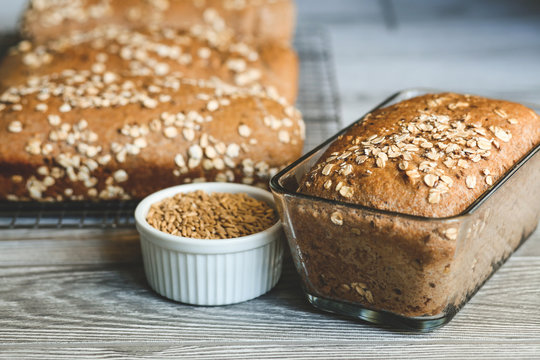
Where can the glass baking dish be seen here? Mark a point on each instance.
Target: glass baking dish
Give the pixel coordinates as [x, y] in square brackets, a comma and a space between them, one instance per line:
[402, 270]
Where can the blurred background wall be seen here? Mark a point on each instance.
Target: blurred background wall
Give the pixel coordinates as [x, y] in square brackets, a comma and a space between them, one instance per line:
[488, 47]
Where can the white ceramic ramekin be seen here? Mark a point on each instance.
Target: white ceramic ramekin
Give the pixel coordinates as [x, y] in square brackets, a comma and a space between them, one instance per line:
[210, 272]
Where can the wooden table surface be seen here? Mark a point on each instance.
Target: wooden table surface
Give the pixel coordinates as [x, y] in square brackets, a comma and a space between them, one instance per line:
[82, 293]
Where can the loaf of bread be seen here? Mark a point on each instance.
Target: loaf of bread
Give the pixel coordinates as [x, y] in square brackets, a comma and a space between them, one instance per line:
[80, 134]
[430, 156]
[252, 20]
[200, 53]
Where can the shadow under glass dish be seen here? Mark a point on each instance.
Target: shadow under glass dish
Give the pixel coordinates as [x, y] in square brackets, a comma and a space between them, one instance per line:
[408, 272]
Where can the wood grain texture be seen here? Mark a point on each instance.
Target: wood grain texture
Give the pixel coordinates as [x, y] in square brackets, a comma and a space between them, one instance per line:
[99, 303]
[63, 247]
[108, 310]
[243, 350]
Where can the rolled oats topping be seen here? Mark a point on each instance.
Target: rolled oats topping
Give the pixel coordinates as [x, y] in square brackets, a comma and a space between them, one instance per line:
[94, 124]
[15, 127]
[430, 179]
[470, 181]
[68, 133]
[120, 175]
[337, 218]
[244, 130]
[327, 169]
[428, 147]
[201, 51]
[346, 191]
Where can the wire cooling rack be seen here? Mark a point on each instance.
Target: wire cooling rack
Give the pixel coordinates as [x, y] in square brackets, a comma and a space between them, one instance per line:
[317, 99]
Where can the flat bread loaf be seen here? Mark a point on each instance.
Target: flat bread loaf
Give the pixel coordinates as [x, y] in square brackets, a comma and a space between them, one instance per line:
[81, 134]
[252, 20]
[200, 53]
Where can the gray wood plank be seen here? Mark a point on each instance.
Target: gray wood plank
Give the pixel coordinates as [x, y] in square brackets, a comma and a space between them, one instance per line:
[112, 303]
[277, 350]
[78, 246]
[94, 246]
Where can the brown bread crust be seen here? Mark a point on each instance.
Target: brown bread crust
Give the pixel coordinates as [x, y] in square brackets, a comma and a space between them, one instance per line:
[200, 53]
[81, 135]
[252, 20]
[451, 148]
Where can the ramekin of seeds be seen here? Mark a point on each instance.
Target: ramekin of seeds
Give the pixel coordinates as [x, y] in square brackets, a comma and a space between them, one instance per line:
[210, 243]
[203, 215]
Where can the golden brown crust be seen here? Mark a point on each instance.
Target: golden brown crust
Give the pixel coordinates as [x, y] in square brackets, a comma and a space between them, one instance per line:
[202, 53]
[431, 156]
[81, 135]
[253, 20]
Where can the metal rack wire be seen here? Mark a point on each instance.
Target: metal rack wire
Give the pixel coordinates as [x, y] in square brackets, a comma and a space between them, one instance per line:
[317, 99]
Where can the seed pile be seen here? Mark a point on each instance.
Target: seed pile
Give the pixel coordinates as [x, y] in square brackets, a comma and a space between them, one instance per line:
[211, 216]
